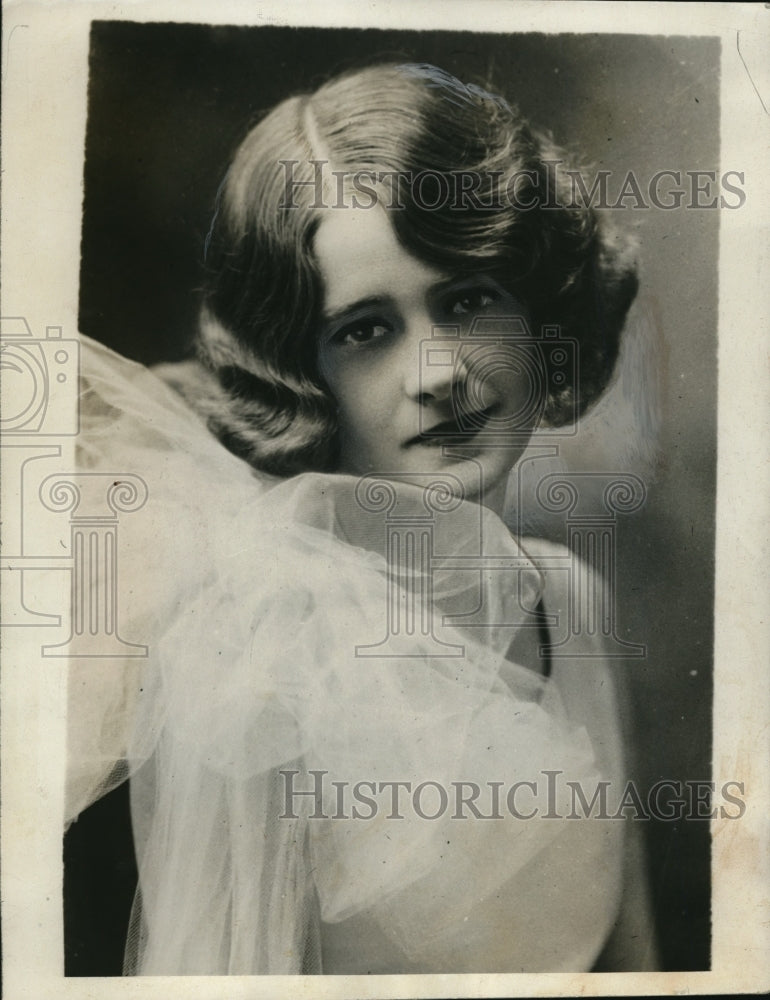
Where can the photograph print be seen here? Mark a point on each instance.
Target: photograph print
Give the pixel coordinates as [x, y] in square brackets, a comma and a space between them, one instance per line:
[424, 573]
[383, 502]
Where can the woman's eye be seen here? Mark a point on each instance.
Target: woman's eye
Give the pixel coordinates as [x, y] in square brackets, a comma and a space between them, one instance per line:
[361, 333]
[472, 301]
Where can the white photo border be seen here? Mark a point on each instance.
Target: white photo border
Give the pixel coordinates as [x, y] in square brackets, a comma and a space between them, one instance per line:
[45, 78]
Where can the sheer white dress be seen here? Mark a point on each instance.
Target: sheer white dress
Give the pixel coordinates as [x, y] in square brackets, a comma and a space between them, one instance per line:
[256, 597]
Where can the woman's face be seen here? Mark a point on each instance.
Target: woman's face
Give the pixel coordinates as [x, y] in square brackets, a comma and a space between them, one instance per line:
[428, 370]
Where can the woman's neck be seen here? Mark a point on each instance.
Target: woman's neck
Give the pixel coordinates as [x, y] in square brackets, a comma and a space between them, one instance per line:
[494, 498]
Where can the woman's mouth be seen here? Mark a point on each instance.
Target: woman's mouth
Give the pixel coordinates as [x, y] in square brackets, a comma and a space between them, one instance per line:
[464, 427]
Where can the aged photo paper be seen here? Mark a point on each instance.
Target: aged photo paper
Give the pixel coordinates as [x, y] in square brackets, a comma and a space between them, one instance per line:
[218, 778]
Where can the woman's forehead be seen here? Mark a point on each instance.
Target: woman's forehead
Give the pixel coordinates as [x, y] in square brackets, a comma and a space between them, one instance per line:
[360, 258]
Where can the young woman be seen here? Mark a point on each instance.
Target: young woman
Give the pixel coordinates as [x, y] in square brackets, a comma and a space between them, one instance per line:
[349, 749]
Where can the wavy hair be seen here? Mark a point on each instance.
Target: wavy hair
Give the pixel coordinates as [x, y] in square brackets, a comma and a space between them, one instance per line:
[263, 292]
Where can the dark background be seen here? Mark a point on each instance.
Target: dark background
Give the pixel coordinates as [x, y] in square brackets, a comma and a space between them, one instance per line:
[169, 103]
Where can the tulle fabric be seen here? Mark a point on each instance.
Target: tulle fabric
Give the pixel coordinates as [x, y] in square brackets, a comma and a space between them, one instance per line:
[256, 597]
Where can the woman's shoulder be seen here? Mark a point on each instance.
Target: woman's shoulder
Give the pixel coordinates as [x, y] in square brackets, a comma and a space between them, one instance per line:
[561, 569]
[542, 549]
[576, 599]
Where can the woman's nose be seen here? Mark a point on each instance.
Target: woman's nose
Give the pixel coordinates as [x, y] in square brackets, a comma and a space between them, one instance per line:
[432, 364]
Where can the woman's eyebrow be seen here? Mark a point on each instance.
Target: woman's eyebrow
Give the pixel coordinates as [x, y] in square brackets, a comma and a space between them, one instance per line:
[465, 281]
[462, 282]
[360, 305]
[435, 290]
